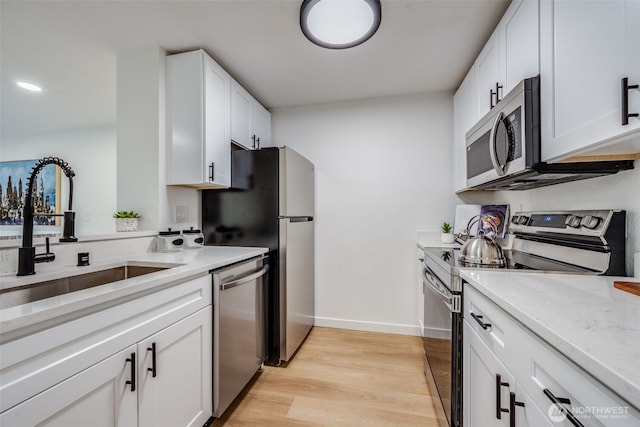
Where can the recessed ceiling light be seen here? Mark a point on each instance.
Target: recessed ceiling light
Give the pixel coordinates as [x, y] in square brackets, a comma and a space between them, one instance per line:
[340, 24]
[29, 86]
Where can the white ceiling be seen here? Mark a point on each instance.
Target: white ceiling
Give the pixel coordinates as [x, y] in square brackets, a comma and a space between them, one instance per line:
[70, 48]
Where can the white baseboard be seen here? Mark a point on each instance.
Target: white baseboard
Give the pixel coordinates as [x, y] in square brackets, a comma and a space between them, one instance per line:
[358, 325]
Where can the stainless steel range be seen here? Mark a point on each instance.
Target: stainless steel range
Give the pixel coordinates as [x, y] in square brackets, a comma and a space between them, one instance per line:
[583, 242]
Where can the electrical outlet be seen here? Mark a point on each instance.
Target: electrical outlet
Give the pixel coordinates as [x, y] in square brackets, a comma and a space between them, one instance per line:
[182, 214]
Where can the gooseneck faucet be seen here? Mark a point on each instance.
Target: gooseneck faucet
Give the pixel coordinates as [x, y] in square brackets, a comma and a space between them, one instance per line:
[27, 253]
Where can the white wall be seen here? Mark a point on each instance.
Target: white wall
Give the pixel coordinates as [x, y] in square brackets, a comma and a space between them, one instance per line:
[382, 172]
[619, 191]
[91, 153]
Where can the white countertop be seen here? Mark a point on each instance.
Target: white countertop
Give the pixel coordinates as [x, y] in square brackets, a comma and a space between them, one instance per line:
[584, 317]
[185, 264]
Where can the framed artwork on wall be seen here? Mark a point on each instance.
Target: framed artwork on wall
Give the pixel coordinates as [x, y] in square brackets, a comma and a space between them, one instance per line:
[13, 189]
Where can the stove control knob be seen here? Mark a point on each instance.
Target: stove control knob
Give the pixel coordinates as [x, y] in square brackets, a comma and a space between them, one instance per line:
[514, 219]
[591, 222]
[524, 220]
[573, 221]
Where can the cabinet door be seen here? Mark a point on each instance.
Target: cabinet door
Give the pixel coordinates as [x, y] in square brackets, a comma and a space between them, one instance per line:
[521, 48]
[527, 414]
[198, 121]
[175, 373]
[97, 396]
[217, 122]
[633, 62]
[241, 104]
[481, 394]
[585, 52]
[260, 125]
[488, 74]
[465, 115]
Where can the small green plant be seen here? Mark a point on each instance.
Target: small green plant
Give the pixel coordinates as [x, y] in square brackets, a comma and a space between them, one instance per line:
[126, 214]
[446, 227]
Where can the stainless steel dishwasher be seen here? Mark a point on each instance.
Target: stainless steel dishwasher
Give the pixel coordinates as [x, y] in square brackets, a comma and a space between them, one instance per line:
[238, 328]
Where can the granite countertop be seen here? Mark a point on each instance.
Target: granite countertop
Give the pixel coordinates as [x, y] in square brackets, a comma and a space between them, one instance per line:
[584, 317]
[186, 264]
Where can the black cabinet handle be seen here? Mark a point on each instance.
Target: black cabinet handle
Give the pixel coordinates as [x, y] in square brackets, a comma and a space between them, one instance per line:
[132, 360]
[560, 402]
[152, 369]
[626, 87]
[211, 169]
[496, 94]
[478, 319]
[499, 385]
[512, 408]
[253, 138]
[258, 142]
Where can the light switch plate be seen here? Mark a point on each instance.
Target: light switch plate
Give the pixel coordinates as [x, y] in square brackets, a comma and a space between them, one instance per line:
[182, 214]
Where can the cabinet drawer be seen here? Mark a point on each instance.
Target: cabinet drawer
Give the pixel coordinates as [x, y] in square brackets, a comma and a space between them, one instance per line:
[540, 368]
[493, 326]
[38, 361]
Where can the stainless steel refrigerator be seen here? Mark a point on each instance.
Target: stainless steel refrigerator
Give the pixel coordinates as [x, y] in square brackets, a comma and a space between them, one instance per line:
[271, 204]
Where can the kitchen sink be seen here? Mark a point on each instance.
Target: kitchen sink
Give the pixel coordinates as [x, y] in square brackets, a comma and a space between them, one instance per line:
[36, 291]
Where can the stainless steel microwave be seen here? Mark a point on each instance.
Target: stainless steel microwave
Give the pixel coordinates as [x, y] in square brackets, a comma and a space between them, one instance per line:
[503, 148]
[507, 139]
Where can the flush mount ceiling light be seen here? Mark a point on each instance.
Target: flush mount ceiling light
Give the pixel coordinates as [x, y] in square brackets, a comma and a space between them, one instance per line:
[340, 24]
[29, 86]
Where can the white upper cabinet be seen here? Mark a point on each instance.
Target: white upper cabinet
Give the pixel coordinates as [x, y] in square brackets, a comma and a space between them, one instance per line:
[489, 75]
[198, 121]
[520, 43]
[587, 48]
[465, 114]
[261, 125]
[510, 55]
[241, 102]
[250, 121]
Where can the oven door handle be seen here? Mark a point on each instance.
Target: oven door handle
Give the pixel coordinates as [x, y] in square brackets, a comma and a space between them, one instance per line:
[450, 300]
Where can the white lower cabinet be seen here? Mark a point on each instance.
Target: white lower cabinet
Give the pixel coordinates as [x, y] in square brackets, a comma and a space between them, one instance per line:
[482, 397]
[175, 373]
[98, 396]
[144, 362]
[491, 396]
[508, 371]
[164, 380]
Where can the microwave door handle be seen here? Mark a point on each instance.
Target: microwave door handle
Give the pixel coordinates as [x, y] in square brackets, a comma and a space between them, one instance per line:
[500, 169]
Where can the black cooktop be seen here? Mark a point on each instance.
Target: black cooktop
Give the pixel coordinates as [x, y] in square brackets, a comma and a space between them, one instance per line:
[449, 257]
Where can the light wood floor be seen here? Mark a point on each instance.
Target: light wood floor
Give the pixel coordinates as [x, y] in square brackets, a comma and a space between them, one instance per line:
[340, 378]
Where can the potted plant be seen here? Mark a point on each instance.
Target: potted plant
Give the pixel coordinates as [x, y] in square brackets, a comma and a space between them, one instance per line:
[126, 220]
[447, 236]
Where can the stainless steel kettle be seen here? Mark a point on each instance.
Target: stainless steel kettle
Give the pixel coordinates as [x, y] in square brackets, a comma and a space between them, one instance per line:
[481, 250]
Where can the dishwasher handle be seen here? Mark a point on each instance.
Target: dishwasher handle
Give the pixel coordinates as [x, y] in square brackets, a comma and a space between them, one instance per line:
[244, 279]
